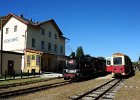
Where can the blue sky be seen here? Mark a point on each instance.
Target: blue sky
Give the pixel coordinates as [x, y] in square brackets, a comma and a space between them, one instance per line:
[101, 27]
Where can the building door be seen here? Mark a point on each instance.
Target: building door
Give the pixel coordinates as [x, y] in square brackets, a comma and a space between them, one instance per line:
[10, 67]
[49, 64]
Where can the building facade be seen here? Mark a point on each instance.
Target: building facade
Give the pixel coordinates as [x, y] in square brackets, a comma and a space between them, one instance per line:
[11, 62]
[41, 43]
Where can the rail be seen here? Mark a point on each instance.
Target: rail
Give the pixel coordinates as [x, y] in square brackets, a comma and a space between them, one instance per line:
[26, 83]
[98, 92]
[32, 89]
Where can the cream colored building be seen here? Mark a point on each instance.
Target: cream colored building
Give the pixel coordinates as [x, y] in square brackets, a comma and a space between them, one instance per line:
[11, 61]
[42, 43]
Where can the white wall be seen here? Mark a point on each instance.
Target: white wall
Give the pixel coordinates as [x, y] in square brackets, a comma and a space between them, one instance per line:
[59, 41]
[37, 35]
[33, 33]
[14, 41]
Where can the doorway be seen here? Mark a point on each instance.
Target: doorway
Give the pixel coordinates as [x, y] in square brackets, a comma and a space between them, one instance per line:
[49, 64]
[10, 67]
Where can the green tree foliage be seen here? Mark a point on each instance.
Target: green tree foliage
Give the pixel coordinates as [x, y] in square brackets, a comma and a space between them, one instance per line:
[79, 52]
[135, 63]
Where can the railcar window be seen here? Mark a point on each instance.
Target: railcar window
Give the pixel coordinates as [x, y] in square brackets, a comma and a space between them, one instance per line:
[108, 62]
[117, 61]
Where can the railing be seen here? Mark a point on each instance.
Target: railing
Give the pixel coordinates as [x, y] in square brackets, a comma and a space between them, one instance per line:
[13, 75]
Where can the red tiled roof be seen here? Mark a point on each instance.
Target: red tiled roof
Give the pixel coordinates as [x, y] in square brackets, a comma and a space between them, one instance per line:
[23, 20]
[29, 22]
[54, 24]
[119, 54]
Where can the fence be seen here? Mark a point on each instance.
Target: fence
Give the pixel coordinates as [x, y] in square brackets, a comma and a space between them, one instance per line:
[22, 74]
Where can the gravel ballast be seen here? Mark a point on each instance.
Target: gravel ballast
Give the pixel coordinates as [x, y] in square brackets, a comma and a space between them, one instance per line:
[64, 92]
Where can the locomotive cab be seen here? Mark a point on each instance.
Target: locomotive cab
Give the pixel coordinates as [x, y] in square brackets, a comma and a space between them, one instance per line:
[119, 65]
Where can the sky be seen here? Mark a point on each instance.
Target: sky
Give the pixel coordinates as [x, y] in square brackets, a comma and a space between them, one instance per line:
[101, 27]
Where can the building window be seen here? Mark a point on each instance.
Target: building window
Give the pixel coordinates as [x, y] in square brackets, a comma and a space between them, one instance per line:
[42, 45]
[37, 60]
[33, 57]
[55, 36]
[7, 30]
[33, 42]
[49, 46]
[50, 34]
[55, 48]
[15, 28]
[43, 31]
[28, 60]
[61, 49]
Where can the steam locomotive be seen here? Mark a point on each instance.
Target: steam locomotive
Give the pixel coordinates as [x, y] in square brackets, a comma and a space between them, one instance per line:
[83, 67]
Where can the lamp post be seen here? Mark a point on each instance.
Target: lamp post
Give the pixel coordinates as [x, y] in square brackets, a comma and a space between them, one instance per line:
[1, 45]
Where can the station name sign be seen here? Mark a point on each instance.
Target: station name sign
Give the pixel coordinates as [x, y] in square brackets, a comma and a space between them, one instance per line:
[15, 39]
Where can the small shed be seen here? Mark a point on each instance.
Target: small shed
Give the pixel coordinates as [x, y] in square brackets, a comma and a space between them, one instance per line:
[11, 61]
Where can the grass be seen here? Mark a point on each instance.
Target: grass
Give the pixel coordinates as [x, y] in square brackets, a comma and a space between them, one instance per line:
[6, 82]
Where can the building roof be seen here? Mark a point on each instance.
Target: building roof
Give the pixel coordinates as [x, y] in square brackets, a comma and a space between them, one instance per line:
[11, 52]
[38, 51]
[33, 51]
[20, 18]
[119, 54]
[54, 24]
[34, 24]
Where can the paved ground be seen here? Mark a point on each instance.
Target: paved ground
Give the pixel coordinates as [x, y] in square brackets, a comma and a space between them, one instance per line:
[109, 76]
[51, 75]
[44, 75]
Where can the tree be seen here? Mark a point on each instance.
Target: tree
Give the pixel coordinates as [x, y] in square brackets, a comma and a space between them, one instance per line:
[135, 63]
[79, 52]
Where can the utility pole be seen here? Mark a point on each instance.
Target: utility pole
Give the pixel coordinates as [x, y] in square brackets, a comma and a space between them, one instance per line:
[1, 45]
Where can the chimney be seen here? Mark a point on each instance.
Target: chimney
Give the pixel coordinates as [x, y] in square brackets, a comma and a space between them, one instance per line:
[31, 19]
[21, 16]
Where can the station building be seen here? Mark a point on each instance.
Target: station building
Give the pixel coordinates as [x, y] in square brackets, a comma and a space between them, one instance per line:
[42, 43]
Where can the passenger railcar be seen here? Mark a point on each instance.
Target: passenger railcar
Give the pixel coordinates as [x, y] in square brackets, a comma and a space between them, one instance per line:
[86, 66]
[122, 64]
[109, 63]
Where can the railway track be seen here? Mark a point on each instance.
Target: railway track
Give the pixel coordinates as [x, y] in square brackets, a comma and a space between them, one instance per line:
[26, 83]
[32, 89]
[102, 92]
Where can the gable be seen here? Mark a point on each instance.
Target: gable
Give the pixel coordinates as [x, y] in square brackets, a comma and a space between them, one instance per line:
[53, 24]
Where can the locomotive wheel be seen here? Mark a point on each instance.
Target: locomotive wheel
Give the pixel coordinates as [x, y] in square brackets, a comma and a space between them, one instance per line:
[66, 78]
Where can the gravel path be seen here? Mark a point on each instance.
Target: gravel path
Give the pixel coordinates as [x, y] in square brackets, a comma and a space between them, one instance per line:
[130, 89]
